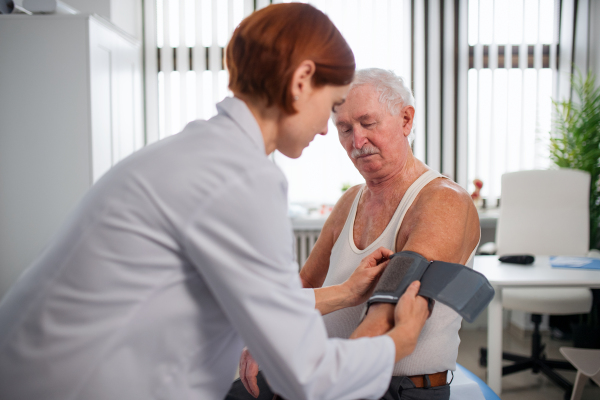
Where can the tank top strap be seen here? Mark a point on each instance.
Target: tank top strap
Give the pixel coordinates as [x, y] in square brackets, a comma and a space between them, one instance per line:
[409, 198]
[354, 207]
[349, 224]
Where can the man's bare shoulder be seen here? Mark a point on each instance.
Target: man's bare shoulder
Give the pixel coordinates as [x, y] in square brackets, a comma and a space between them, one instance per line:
[445, 192]
[442, 223]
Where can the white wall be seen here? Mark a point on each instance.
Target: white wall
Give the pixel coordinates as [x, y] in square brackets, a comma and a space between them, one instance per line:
[100, 7]
[126, 14]
[594, 57]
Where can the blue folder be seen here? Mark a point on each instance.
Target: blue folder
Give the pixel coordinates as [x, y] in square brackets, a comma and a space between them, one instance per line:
[575, 262]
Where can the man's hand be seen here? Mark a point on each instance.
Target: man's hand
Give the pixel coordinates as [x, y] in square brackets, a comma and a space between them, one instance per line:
[248, 372]
[362, 282]
[410, 315]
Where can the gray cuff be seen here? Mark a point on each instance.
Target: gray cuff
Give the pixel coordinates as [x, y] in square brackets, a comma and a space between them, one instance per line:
[404, 268]
[465, 291]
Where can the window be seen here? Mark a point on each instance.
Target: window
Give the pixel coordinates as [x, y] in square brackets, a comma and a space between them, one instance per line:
[379, 34]
[511, 63]
[191, 37]
[512, 68]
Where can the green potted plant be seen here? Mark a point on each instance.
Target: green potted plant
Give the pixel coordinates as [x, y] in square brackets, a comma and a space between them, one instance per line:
[575, 143]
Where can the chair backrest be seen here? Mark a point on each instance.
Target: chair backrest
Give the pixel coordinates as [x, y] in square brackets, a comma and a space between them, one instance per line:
[544, 212]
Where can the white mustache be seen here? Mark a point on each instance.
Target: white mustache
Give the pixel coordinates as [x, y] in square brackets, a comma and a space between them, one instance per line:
[364, 151]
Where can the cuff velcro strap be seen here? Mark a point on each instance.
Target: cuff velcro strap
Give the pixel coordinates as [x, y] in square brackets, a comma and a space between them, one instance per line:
[403, 269]
[466, 291]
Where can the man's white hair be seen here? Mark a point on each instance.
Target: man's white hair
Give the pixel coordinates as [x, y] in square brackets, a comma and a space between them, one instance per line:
[393, 91]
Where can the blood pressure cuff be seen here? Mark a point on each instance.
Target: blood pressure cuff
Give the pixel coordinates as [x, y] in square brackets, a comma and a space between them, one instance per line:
[465, 291]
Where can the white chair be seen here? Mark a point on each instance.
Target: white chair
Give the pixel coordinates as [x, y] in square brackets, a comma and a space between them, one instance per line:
[544, 212]
[587, 363]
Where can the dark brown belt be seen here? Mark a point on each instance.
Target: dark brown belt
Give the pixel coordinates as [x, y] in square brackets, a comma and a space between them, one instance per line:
[420, 381]
[430, 380]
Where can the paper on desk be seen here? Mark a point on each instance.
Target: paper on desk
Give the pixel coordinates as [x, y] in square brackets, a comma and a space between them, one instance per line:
[575, 262]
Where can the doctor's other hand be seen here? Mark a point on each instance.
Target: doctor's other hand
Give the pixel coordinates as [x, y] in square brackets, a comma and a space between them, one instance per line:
[248, 372]
[410, 316]
[362, 282]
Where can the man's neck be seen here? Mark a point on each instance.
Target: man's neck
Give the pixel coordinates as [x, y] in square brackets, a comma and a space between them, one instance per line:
[397, 181]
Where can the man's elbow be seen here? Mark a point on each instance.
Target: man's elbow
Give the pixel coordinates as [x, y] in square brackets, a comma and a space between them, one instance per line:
[307, 284]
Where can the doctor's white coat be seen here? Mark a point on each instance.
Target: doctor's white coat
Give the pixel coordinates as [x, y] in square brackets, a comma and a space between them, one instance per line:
[176, 258]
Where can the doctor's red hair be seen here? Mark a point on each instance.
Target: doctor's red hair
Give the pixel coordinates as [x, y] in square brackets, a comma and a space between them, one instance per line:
[268, 46]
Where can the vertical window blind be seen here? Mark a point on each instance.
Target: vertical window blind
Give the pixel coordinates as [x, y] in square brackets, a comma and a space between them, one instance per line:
[512, 68]
[190, 37]
[483, 74]
[439, 75]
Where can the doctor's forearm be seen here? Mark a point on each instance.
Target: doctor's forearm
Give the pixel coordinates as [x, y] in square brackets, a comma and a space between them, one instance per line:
[333, 298]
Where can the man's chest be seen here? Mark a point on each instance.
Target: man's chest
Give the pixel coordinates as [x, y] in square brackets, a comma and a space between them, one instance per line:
[371, 223]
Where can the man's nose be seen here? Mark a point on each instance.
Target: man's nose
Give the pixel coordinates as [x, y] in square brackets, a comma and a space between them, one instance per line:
[359, 138]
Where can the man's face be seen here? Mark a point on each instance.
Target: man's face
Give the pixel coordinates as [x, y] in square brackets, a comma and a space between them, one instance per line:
[374, 140]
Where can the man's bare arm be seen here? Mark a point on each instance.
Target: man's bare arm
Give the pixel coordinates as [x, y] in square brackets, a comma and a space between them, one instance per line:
[444, 226]
[379, 320]
[314, 271]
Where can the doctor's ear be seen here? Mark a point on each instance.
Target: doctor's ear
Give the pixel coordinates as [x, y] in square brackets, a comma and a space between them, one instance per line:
[302, 79]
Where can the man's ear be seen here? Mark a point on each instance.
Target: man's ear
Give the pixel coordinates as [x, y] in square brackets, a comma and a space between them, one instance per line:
[302, 79]
[408, 116]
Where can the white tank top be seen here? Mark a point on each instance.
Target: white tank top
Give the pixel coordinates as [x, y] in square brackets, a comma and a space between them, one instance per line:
[437, 347]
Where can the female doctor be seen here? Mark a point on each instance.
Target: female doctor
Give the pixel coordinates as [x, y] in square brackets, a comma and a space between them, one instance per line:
[182, 253]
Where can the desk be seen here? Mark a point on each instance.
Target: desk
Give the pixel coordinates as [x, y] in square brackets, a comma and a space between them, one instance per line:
[539, 274]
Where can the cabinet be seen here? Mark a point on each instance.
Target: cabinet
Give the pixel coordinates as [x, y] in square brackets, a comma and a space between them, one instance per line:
[70, 108]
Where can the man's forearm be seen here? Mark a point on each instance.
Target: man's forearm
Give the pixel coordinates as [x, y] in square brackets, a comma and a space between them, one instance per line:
[407, 318]
[405, 338]
[378, 321]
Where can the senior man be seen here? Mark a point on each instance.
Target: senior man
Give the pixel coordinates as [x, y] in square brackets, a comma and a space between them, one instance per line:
[404, 205]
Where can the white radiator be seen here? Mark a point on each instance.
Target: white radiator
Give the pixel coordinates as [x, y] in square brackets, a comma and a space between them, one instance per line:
[304, 243]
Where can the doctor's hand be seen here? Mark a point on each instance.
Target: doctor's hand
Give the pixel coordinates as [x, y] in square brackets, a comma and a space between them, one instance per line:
[248, 372]
[362, 282]
[410, 316]
[359, 286]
